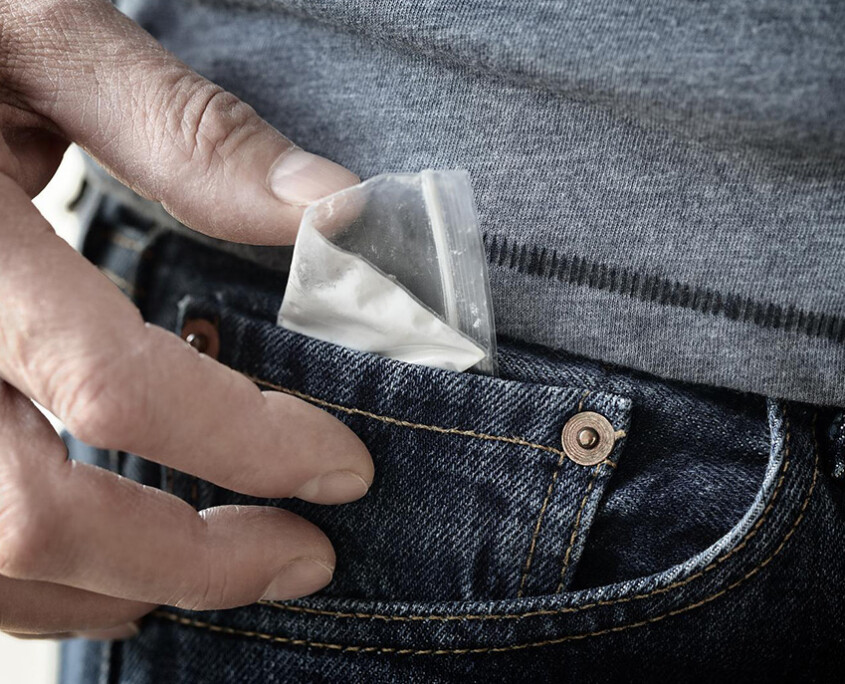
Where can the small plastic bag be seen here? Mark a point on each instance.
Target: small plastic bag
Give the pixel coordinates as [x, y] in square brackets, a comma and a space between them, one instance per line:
[396, 266]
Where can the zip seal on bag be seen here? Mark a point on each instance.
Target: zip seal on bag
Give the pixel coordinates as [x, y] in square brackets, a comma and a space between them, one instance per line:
[396, 266]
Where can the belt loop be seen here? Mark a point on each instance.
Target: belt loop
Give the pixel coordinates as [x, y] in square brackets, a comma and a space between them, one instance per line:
[119, 242]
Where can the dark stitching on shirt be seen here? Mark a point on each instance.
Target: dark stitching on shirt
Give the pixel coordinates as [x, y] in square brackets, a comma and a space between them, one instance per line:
[545, 262]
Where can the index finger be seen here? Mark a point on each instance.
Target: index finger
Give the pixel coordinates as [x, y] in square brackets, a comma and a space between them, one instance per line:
[73, 343]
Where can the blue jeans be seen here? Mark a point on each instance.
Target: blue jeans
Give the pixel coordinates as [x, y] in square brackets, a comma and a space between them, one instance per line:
[711, 541]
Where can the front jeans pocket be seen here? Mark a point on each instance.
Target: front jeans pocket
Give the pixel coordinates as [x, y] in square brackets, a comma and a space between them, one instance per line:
[476, 523]
[473, 497]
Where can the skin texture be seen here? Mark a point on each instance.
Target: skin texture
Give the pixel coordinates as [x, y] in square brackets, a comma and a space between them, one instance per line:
[83, 550]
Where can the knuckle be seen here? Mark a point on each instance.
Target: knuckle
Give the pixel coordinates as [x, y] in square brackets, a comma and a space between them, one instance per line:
[103, 402]
[90, 410]
[211, 593]
[209, 123]
[208, 584]
[26, 532]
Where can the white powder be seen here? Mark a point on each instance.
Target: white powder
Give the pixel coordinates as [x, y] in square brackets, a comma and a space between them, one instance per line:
[339, 297]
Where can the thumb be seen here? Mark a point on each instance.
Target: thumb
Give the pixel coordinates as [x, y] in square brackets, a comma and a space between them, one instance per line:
[158, 126]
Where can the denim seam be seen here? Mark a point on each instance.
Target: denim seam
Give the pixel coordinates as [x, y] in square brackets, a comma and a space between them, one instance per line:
[529, 559]
[126, 242]
[417, 426]
[128, 288]
[575, 526]
[173, 617]
[131, 245]
[587, 606]
[388, 650]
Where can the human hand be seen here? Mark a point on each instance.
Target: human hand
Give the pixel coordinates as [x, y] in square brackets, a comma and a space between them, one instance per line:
[83, 550]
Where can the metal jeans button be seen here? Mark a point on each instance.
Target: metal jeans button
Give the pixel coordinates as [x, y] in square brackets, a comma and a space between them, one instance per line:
[202, 335]
[587, 438]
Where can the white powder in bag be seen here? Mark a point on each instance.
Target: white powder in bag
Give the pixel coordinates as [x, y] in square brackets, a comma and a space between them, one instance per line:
[339, 297]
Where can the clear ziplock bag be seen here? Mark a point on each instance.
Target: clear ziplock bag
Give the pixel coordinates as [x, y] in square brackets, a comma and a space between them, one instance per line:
[396, 266]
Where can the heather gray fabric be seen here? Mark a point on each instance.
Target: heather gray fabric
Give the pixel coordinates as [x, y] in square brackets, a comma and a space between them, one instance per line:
[661, 184]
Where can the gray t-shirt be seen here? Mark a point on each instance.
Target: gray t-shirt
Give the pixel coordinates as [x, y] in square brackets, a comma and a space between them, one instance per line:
[661, 185]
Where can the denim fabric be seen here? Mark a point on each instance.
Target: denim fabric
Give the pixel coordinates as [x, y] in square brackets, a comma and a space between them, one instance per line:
[661, 184]
[710, 544]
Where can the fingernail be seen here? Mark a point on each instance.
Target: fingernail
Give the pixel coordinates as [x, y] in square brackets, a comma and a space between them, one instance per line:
[300, 577]
[119, 633]
[299, 177]
[338, 486]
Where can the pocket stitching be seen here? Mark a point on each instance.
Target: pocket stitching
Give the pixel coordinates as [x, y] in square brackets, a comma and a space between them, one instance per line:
[568, 555]
[173, 617]
[532, 547]
[477, 435]
[609, 602]
[417, 426]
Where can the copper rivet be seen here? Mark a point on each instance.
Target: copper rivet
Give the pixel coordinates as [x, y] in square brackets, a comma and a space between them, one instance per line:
[587, 438]
[202, 335]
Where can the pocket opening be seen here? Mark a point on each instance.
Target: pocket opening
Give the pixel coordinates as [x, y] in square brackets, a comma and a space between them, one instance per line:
[433, 626]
